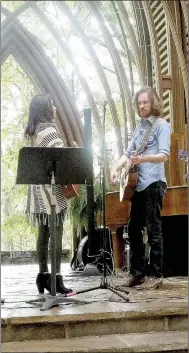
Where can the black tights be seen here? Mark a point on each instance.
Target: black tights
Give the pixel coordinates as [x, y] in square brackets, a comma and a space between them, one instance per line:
[42, 247]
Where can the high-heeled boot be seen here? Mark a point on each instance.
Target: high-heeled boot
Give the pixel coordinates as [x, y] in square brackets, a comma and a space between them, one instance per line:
[42, 282]
[60, 287]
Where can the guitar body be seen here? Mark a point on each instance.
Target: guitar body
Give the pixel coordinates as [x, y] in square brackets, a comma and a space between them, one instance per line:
[128, 182]
[70, 191]
[128, 178]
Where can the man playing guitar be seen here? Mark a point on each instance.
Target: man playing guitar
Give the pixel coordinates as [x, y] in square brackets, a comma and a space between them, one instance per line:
[147, 201]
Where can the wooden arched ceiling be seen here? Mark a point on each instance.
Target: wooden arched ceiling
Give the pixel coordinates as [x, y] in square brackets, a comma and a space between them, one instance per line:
[158, 49]
[98, 67]
[16, 40]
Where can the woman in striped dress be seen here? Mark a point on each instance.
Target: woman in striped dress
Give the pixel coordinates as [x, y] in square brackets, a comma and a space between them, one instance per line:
[41, 130]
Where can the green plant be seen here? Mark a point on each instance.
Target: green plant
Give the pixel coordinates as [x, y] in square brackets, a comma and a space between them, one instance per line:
[77, 211]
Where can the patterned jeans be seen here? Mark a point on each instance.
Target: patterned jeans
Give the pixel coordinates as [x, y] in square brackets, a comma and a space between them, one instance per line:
[146, 211]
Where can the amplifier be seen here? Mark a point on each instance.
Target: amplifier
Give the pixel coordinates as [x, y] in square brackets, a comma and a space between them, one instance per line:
[98, 247]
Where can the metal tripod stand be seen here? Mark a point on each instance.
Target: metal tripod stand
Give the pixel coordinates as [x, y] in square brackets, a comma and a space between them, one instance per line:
[90, 205]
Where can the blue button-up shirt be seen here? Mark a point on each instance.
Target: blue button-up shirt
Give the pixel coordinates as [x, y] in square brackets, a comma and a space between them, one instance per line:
[158, 142]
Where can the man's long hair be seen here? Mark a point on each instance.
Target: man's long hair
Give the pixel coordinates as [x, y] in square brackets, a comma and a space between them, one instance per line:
[40, 111]
[156, 102]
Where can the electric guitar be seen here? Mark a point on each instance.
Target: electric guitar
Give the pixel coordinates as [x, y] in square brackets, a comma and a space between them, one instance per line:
[128, 180]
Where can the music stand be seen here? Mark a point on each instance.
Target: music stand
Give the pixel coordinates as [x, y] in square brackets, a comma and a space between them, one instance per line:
[53, 166]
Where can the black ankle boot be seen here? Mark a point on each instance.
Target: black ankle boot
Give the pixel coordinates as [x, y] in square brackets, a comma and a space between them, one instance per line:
[60, 287]
[42, 282]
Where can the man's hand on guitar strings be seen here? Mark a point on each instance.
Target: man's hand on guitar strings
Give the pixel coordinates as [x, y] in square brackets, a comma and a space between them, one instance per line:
[115, 171]
[114, 177]
[136, 159]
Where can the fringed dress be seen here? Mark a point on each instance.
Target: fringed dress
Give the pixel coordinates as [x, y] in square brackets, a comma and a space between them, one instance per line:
[38, 207]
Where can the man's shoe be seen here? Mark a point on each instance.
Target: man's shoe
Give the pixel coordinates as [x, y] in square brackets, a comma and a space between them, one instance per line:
[132, 281]
[151, 283]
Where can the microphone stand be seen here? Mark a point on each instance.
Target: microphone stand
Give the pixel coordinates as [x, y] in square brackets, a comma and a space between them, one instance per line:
[103, 165]
[104, 283]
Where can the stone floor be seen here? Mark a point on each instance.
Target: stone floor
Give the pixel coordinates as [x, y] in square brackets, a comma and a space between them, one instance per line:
[127, 343]
[18, 289]
[152, 320]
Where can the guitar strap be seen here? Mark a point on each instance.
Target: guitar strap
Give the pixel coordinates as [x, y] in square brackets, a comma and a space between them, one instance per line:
[145, 138]
[32, 142]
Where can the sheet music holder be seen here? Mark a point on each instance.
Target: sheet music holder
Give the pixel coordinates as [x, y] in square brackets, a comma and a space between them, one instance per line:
[53, 166]
[35, 164]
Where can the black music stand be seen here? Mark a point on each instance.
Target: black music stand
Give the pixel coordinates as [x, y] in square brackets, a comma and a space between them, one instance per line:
[53, 166]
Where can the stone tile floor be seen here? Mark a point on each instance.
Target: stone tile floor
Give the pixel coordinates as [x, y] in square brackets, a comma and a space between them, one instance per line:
[128, 343]
[18, 287]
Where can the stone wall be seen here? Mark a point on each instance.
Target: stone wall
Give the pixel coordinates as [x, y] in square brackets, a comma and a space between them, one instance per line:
[25, 257]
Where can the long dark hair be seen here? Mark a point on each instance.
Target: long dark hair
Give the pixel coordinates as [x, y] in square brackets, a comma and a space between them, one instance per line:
[40, 111]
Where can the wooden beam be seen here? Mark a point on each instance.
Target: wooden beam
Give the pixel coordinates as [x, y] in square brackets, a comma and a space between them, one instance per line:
[176, 166]
[166, 82]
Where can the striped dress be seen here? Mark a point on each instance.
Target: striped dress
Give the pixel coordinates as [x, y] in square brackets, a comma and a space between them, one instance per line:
[38, 206]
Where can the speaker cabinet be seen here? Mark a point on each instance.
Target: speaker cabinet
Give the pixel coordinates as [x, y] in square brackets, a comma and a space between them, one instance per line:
[175, 245]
